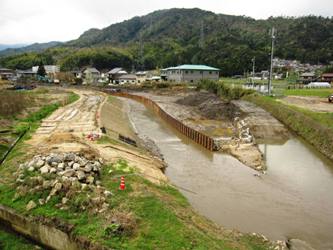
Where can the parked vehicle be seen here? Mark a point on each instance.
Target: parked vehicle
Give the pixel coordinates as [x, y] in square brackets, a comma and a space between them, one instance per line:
[330, 98]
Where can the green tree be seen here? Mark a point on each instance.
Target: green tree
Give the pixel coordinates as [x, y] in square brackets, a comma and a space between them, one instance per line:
[41, 70]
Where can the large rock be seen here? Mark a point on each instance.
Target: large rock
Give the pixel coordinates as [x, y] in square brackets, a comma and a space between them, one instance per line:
[69, 173]
[88, 168]
[80, 175]
[76, 166]
[70, 157]
[53, 170]
[61, 166]
[81, 161]
[31, 205]
[96, 166]
[44, 170]
[54, 158]
[57, 187]
[90, 179]
[40, 163]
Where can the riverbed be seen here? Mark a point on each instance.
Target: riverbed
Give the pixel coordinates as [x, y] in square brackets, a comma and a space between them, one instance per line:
[293, 200]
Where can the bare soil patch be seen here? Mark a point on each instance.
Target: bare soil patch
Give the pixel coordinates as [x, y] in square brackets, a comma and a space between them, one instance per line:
[210, 106]
[316, 104]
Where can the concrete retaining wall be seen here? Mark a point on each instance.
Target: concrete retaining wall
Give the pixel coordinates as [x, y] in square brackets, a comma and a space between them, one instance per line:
[198, 137]
[43, 234]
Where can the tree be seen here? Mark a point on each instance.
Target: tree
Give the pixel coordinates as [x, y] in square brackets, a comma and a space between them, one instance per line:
[41, 70]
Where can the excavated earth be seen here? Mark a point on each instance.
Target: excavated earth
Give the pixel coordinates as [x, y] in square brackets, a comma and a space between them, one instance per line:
[66, 130]
[213, 116]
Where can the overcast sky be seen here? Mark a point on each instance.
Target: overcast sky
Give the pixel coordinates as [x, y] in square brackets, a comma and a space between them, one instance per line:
[28, 21]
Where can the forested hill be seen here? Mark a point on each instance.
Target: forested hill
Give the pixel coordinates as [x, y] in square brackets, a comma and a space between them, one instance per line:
[176, 36]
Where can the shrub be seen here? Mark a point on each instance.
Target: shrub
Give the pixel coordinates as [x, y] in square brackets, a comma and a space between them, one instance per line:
[12, 103]
[222, 90]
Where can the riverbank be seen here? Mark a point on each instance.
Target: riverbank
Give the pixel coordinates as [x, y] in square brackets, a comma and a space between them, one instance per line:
[234, 126]
[314, 127]
[222, 189]
[146, 215]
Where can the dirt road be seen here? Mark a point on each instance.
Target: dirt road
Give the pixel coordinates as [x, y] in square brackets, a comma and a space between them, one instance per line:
[316, 104]
[66, 130]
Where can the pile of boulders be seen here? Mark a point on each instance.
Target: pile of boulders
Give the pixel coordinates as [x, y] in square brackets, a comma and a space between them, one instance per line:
[65, 174]
[69, 166]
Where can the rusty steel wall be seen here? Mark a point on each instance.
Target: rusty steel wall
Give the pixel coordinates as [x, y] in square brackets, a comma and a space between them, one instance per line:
[198, 137]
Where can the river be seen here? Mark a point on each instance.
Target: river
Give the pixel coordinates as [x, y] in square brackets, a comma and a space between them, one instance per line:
[293, 200]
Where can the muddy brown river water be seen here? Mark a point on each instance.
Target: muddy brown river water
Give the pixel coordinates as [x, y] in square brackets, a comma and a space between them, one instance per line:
[293, 200]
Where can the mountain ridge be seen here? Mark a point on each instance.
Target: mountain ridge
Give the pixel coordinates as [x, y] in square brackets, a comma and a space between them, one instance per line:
[180, 36]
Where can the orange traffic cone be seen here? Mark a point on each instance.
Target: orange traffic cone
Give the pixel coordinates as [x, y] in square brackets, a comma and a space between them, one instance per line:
[122, 183]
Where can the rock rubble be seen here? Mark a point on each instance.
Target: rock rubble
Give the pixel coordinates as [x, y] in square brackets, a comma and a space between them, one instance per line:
[69, 166]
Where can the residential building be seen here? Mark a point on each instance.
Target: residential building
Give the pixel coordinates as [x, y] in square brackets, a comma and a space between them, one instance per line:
[141, 76]
[115, 74]
[307, 77]
[91, 76]
[49, 69]
[6, 74]
[327, 77]
[128, 78]
[25, 73]
[190, 73]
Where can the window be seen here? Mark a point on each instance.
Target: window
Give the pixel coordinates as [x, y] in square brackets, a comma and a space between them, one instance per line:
[210, 72]
[191, 71]
[186, 72]
[191, 80]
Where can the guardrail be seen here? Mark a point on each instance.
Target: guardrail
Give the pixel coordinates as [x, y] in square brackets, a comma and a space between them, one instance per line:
[198, 137]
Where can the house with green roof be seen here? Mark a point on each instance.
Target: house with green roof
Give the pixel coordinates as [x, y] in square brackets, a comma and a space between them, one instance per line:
[190, 73]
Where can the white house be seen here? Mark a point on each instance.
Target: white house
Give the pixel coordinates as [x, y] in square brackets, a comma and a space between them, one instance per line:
[49, 69]
[190, 73]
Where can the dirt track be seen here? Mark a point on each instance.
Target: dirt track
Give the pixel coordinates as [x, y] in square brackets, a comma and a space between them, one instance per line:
[316, 104]
[67, 128]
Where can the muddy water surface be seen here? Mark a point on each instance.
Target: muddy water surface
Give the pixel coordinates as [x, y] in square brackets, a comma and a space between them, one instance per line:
[293, 200]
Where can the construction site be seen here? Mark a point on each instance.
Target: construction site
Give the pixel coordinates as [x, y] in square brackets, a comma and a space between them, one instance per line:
[111, 154]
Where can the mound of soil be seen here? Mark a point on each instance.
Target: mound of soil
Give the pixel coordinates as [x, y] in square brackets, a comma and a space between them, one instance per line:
[211, 106]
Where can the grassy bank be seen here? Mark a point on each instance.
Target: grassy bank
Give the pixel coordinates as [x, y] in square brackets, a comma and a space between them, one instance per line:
[143, 216]
[308, 92]
[316, 128]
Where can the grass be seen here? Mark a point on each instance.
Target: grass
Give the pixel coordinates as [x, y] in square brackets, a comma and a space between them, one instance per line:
[308, 92]
[157, 217]
[316, 128]
[9, 241]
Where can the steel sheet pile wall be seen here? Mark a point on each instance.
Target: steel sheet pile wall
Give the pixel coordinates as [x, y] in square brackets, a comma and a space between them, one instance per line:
[200, 138]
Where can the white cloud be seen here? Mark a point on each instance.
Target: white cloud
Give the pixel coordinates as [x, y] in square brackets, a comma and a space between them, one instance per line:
[23, 21]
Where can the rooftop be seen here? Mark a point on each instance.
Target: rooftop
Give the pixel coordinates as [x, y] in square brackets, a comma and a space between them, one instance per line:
[193, 67]
[115, 70]
[92, 70]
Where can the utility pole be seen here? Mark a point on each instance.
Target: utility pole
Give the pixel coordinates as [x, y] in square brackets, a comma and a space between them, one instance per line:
[141, 53]
[202, 36]
[272, 56]
[253, 66]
